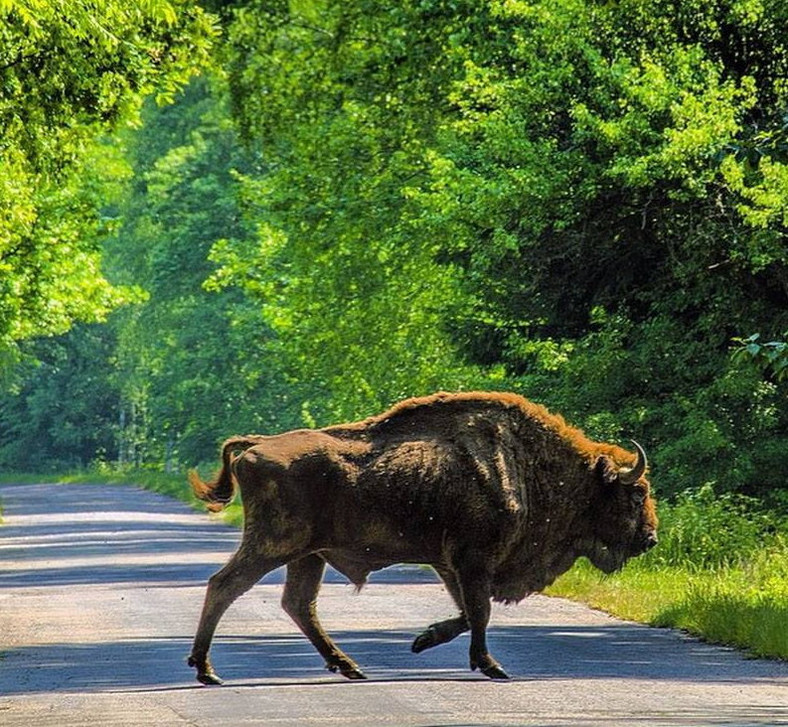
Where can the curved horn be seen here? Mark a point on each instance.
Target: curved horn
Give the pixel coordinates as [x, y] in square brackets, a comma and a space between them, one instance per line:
[631, 476]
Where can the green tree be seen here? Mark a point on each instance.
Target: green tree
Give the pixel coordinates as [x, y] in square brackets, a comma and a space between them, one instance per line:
[770, 356]
[610, 187]
[70, 73]
[583, 201]
[62, 413]
[343, 101]
[192, 365]
[595, 191]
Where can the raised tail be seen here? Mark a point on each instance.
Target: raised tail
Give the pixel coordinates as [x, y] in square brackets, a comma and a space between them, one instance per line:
[219, 492]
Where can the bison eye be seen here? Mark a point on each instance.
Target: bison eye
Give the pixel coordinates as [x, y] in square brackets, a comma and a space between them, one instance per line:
[638, 495]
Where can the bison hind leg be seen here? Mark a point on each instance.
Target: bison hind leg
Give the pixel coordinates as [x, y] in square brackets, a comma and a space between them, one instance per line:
[242, 571]
[299, 600]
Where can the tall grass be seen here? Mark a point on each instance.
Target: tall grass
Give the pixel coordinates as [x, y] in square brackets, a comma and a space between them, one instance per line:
[720, 572]
[702, 530]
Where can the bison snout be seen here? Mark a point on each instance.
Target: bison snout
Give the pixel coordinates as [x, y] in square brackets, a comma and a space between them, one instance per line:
[650, 540]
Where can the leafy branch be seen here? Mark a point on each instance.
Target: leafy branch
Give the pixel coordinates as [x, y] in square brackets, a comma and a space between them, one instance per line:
[771, 357]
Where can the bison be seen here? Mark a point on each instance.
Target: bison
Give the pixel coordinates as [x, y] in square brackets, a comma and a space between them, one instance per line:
[495, 493]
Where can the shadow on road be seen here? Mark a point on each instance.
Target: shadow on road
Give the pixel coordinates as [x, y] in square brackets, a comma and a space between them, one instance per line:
[611, 652]
[84, 536]
[54, 526]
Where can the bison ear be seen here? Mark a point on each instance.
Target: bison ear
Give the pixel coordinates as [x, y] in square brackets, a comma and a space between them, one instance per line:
[607, 470]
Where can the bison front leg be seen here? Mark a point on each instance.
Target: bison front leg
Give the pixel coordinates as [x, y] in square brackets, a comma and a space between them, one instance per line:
[299, 600]
[474, 582]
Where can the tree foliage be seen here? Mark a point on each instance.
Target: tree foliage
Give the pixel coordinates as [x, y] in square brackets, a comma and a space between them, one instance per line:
[71, 72]
[62, 413]
[597, 186]
[583, 201]
[188, 360]
[343, 100]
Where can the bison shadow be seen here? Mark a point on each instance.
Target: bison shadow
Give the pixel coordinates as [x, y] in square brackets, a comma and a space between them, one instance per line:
[541, 653]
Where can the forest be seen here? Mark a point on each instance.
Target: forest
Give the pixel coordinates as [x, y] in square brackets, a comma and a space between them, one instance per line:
[251, 216]
[255, 216]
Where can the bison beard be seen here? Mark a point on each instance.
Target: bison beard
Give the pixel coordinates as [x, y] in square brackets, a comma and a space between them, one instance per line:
[495, 493]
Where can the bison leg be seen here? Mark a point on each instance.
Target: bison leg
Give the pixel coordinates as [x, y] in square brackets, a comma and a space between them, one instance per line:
[474, 582]
[451, 628]
[299, 600]
[439, 633]
[224, 587]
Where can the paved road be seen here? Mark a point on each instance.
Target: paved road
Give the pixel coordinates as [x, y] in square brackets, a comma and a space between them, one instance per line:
[101, 588]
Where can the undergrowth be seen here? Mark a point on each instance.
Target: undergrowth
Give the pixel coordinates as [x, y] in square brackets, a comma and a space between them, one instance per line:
[720, 572]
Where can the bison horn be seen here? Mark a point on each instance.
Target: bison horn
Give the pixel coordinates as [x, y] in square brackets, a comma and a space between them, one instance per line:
[631, 476]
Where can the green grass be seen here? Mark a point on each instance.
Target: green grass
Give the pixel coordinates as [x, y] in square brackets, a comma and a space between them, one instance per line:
[720, 573]
[744, 606]
[634, 594]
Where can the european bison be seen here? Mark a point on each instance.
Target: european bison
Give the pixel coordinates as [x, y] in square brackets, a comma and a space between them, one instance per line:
[495, 493]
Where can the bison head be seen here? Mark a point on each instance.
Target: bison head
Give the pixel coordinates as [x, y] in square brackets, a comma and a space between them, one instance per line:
[623, 518]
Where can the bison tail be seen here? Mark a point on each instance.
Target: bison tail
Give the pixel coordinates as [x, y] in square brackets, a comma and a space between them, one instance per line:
[219, 492]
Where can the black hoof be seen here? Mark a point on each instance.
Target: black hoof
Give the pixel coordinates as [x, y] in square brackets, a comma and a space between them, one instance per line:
[425, 640]
[205, 673]
[354, 674]
[209, 678]
[348, 671]
[491, 669]
[495, 672]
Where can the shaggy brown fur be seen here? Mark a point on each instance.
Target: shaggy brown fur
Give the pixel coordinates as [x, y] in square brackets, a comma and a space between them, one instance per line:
[497, 494]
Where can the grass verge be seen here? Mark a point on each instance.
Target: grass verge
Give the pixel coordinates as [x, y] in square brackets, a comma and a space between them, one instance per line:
[742, 606]
[720, 573]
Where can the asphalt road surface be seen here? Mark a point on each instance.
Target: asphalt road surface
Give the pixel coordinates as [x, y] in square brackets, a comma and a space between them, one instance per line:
[101, 589]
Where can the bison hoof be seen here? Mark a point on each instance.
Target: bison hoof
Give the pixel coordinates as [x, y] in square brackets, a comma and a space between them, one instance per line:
[490, 668]
[495, 672]
[209, 678]
[205, 673]
[350, 671]
[354, 674]
[426, 640]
